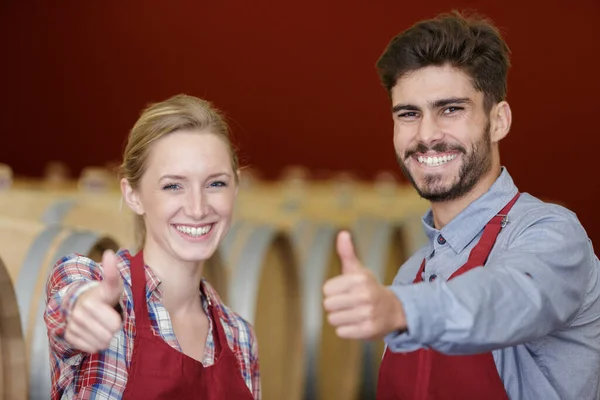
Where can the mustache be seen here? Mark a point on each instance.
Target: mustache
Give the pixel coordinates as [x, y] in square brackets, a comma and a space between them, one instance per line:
[438, 147]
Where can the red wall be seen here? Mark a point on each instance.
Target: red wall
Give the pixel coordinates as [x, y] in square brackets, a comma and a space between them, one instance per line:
[296, 78]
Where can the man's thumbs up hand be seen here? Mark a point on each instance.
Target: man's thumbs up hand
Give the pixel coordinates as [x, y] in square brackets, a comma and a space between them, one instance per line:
[357, 304]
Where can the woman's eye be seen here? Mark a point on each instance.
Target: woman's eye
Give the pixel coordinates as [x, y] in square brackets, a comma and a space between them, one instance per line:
[218, 184]
[171, 186]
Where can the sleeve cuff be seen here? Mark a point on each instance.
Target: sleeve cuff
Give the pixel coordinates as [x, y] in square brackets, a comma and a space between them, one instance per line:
[424, 322]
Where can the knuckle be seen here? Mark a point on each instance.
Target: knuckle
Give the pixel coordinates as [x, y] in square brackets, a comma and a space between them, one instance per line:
[116, 327]
[360, 279]
[326, 291]
[364, 296]
[368, 311]
[84, 301]
[332, 319]
[76, 318]
[369, 328]
[372, 297]
[85, 307]
[69, 337]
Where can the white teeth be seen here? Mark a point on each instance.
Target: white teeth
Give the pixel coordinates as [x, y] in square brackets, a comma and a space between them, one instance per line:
[192, 231]
[435, 161]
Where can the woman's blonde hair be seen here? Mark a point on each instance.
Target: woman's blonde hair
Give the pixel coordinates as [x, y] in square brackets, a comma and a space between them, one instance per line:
[180, 112]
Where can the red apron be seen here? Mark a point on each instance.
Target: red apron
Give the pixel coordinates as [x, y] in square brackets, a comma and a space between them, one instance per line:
[158, 371]
[430, 375]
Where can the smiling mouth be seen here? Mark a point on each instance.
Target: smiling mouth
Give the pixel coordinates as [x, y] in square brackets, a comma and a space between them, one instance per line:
[434, 161]
[194, 231]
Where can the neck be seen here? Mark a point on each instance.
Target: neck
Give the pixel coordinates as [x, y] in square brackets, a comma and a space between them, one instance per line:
[445, 211]
[180, 280]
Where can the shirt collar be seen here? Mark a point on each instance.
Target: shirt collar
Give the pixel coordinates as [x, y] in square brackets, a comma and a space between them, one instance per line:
[461, 230]
[207, 293]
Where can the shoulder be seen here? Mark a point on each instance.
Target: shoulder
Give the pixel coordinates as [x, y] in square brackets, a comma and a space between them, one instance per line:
[557, 222]
[530, 213]
[547, 233]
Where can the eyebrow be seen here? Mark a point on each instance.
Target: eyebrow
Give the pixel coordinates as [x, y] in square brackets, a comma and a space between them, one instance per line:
[182, 178]
[432, 104]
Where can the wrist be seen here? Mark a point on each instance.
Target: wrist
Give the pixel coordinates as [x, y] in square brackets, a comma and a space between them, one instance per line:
[398, 319]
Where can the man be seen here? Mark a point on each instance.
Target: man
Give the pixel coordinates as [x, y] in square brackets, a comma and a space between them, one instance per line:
[504, 300]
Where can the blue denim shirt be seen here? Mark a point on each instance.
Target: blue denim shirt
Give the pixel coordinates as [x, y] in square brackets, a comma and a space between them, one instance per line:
[535, 304]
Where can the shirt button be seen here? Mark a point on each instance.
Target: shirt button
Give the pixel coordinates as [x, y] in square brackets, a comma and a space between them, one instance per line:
[441, 239]
[432, 278]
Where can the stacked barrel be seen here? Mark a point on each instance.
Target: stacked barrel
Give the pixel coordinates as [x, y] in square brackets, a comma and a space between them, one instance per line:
[270, 268]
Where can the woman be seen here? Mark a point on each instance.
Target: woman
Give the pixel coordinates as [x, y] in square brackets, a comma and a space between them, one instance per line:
[147, 326]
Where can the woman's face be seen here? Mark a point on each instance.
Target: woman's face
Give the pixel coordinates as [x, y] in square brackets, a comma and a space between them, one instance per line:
[186, 195]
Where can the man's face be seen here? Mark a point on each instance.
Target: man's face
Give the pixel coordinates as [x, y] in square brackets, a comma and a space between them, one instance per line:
[441, 132]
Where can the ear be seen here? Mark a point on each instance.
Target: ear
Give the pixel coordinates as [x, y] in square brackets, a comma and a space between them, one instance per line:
[500, 121]
[131, 197]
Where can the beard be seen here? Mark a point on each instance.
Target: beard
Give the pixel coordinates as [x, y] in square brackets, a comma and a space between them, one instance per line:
[476, 164]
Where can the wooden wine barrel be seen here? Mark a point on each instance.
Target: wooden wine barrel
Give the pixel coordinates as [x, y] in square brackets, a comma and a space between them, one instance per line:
[265, 290]
[13, 367]
[29, 250]
[99, 212]
[96, 211]
[333, 364]
[27, 204]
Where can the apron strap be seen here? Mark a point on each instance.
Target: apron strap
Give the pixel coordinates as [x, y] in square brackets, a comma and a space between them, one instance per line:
[138, 284]
[479, 254]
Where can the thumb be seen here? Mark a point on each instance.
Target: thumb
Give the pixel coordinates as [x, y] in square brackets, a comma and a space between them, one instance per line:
[345, 249]
[112, 283]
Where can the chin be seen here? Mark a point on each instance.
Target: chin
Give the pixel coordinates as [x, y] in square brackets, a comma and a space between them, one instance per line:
[193, 252]
[435, 183]
[194, 257]
[435, 188]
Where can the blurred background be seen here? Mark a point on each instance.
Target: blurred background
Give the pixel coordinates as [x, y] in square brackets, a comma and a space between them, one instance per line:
[298, 84]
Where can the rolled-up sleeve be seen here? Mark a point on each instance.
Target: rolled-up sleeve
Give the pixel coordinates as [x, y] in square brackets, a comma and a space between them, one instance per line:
[532, 286]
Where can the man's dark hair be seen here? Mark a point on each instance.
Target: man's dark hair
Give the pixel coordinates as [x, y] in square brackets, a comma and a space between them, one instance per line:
[470, 43]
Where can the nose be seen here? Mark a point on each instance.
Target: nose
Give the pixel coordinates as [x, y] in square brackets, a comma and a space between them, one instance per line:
[429, 130]
[196, 206]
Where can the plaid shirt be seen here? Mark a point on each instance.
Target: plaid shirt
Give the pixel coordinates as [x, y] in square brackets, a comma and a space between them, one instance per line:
[74, 377]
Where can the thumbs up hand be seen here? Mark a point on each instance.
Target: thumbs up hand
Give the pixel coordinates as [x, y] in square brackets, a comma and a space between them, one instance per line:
[345, 248]
[357, 304]
[93, 322]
